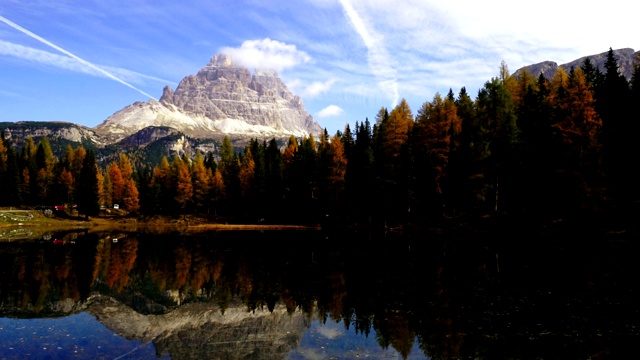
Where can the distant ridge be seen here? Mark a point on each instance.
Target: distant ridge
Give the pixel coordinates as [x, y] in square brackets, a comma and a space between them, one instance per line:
[625, 58]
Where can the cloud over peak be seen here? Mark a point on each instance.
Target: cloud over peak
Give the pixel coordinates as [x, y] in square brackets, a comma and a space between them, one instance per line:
[267, 53]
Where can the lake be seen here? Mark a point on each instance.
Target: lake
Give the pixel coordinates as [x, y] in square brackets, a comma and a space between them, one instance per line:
[432, 294]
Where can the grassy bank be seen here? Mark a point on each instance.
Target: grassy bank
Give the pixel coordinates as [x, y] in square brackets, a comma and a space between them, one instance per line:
[19, 224]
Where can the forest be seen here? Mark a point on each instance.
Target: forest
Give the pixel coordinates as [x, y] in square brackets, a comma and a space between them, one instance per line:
[525, 146]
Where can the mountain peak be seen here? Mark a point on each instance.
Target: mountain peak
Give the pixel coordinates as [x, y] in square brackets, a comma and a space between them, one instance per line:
[222, 60]
[223, 97]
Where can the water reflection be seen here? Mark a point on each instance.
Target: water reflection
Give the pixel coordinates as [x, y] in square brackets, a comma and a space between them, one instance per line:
[257, 294]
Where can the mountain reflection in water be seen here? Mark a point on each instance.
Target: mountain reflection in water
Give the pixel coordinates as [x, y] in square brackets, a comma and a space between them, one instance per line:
[311, 294]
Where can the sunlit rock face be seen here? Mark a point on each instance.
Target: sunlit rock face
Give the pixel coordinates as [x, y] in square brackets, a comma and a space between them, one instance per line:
[203, 331]
[222, 98]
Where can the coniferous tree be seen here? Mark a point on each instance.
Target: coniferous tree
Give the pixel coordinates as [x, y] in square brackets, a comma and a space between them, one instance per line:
[302, 180]
[274, 174]
[78, 157]
[149, 200]
[201, 182]
[259, 182]
[634, 120]
[107, 190]
[539, 150]
[227, 155]
[217, 190]
[457, 187]
[497, 117]
[437, 129]
[66, 187]
[117, 183]
[347, 140]
[246, 175]
[579, 131]
[229, 168]
[163, 185]
[612, 103]
[392, 156]
[87, 186]
[184, 188]
[322, 168]
[335, 172]
[130, 196]
[359, 173]
[592, 75]
[9, 174]
[67, 158]
[44, 163]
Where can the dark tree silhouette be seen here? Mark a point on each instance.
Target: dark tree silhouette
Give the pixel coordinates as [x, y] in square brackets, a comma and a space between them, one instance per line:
[87, 186]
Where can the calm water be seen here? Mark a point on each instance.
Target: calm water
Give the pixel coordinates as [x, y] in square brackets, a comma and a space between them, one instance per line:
[319, 295]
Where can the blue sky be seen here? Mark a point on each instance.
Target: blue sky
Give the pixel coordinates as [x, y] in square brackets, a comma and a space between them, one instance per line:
[83, 60]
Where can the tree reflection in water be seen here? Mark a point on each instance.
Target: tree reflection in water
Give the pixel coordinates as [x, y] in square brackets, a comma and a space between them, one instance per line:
[472, 295]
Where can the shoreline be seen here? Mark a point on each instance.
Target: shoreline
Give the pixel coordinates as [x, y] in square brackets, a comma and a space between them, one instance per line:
[29, 224]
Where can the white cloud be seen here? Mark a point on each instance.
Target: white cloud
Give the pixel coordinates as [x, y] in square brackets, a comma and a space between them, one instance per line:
[267, 53]
[329, 333]
[318, 87]
[329, 111]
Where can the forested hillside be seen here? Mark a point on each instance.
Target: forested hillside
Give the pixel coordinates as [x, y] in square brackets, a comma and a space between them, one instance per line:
[535, 146]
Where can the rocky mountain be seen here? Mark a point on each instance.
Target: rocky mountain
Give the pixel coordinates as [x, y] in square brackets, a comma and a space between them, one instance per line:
[59, 134]
[624, 57]
[235, 333]
[223, 98]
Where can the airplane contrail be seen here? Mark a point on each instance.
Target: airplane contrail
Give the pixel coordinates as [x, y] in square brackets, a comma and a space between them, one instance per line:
[377, 53]
[81, 60]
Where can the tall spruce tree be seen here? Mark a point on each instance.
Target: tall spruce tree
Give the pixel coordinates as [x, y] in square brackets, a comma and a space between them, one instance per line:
[457, 186]
[612, 103]
[87, 186]
[497, 117]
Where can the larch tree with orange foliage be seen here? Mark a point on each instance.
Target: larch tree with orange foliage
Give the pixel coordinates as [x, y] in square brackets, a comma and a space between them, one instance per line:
[290, 151]
[217, 189]
[107, 189]
[437, 128]
[200, 176]
[246, 173]
[66, 182]
[184, 187]
[579, 127]
[393, 161]
[76, 161]
[117, 183]
[130, 196]
[125, 167]
[336, 169]
[395, 132]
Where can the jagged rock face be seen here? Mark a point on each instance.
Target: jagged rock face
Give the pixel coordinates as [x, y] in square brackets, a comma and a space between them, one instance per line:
[222, 97]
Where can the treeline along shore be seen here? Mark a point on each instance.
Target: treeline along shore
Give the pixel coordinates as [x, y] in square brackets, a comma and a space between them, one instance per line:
[526, 147]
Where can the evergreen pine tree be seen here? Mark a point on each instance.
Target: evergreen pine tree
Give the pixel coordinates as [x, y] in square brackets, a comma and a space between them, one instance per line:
[87, 186]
